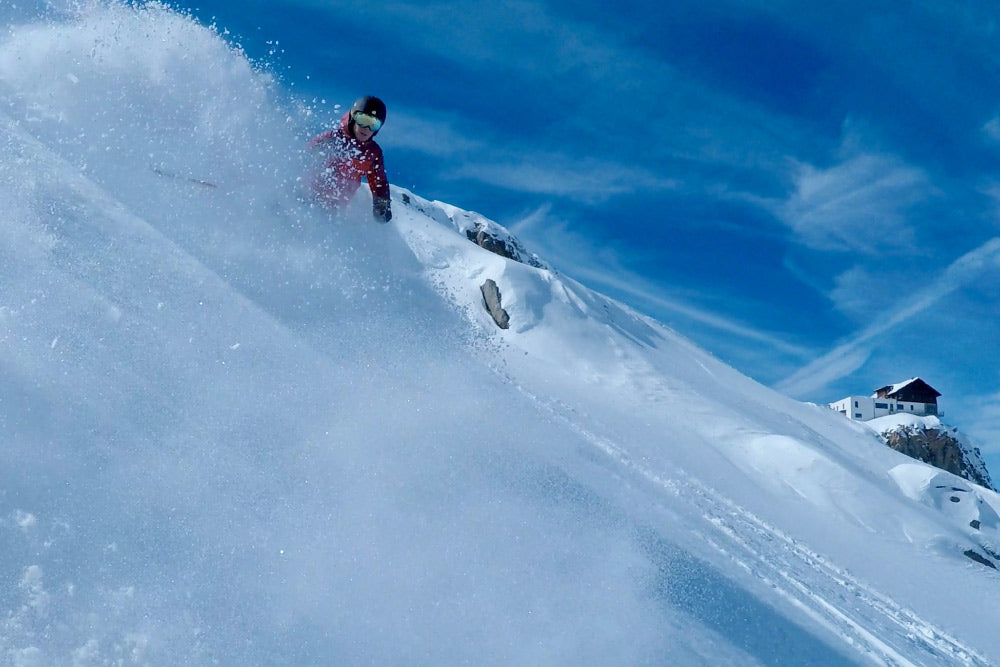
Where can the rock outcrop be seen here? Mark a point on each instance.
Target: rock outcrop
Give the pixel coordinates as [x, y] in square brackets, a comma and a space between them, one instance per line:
[496, 239]
[942, 447]
[492, 299]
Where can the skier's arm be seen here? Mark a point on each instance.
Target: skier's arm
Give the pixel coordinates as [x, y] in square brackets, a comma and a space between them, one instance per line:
[378, 182]
[321, 140]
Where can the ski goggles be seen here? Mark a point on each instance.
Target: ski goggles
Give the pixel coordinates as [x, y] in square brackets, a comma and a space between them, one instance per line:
[367, 120]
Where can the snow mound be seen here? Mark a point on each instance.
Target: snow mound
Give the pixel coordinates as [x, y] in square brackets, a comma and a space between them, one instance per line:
[973, 510]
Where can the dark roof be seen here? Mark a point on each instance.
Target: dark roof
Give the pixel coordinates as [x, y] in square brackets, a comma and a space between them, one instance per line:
[912, 385]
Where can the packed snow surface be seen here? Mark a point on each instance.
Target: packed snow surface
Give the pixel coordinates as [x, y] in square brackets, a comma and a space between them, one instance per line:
[239, 430]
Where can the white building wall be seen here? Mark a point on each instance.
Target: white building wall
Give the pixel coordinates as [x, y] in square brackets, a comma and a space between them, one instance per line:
[921, 409]
[865, 408]
[884, 406]
[861, 408]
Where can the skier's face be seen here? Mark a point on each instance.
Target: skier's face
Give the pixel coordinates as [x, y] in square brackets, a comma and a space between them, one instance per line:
[362, 133]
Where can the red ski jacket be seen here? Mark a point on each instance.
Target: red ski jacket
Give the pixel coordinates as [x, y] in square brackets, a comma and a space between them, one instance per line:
[347, 161]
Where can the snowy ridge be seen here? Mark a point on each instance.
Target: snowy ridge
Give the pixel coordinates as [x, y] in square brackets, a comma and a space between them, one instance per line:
[232, 421]
[470, 224]
[454, 265]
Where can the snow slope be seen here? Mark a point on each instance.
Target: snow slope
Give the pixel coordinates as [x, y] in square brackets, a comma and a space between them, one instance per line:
[239, 431]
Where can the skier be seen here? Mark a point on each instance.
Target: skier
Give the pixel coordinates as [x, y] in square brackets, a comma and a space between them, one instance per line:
[350, 154]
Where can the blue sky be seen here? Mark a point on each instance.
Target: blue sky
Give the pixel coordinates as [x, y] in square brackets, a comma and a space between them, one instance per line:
[809, 190]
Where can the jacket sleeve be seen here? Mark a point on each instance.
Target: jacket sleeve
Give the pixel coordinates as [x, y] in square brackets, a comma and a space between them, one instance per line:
[377, 180]
[322, 139]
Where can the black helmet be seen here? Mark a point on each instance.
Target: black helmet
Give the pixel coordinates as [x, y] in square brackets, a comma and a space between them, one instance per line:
[371, 105]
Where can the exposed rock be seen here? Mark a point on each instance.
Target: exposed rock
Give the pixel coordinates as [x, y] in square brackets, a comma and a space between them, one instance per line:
[942, 449]
[979, 558]
[491, 295]
[480, 237]
[480, 230]
[498, 240]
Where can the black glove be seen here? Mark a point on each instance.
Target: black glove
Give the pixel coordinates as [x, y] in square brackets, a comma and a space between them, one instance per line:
[381, 209]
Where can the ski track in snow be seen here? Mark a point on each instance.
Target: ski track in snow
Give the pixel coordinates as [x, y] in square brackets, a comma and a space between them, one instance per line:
[879, 629]
[869, 633]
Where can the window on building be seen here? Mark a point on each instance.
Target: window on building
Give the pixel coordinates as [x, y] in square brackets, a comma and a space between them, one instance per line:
[857, 415]
[855, 404]
[883, 406]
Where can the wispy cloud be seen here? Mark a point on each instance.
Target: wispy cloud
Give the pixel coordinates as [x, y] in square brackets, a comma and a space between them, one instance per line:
[983, 423]
[504, 35]
[602, 268]
[858, 205]
[474, 154]
[992, 129]
[850, 355]
[437, 135]
[854, 296]
[588, 181]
